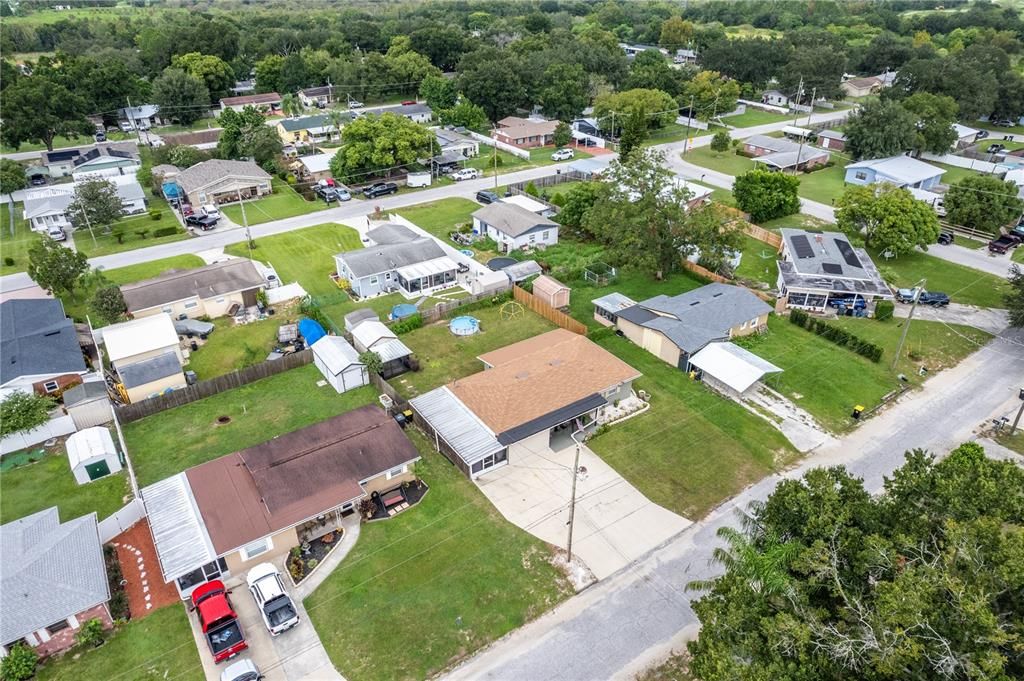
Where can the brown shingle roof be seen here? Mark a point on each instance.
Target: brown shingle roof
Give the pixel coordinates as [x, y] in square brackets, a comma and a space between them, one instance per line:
[528, 129]
[538, 376]
[237, 274]
[265, 98]
[275, 485]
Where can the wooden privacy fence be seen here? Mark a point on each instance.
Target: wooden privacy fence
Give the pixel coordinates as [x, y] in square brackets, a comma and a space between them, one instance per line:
[705, 273]
[762, 234]
[203, 389]
[547, 312]
[439, 311]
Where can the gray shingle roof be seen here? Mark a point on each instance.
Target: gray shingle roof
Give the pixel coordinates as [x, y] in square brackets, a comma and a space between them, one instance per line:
[390, 233]
[37, 339]
[207, 172]
[149, 370]
[510, 219]
[387, 257]
[311, 122]
[229, 276]
[85, 392]
[48, 571]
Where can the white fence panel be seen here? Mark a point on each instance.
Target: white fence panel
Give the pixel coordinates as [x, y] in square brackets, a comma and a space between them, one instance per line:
[286, 292]
[764, 107]
[127, 516]
[491, 142]
[961, 162]
[694, 123]
[62, 425]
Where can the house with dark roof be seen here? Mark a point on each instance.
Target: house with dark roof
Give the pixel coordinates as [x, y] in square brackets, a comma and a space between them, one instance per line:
[832, 140]
[121, 157]
[223, 181]
[265, 101]
[317, 96]
[514, 227]
[456, 145]
[779, 153]
[39, 346]
[209, 291]
[823, 270]
[399, 260]
[220, 518]
[676, 327]
[53, 579]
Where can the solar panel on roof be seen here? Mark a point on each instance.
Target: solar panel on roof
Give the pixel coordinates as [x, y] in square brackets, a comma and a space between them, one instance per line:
[847, 250]
[63, 155]
[832, 268]
[802, 246]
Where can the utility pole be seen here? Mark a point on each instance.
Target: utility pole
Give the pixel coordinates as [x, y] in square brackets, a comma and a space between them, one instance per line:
[814, 93]
[131, 119]
[689, 118]
[572, 499]
[799, 94]
[245, 223]
[1019, 412]
[918, 288]
[495, 147]
[85, 214]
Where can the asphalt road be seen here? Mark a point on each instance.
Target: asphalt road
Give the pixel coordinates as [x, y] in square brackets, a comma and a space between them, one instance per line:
[633, 619]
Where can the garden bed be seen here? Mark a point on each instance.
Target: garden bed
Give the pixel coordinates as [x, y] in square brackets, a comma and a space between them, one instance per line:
[304, 559]
[378, 508]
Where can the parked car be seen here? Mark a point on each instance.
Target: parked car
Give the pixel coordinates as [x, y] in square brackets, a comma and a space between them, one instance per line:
[933, 298]
[186, 209]
[1004, 123]
[1004, 243]
[946, 237]
[487, 197]
[243, 670]
[563, 155]
[982, 134]
[275, 605]
[465, 174]
[211, 210]
[125, 126]
[409, 102]
[218, 620]
[100, 136]
[342, 194]
[355, 104]
[203, 222]
[380, 189]
[37, 180]
[1018, 231]
[326, 193]
[57, 234]
[995, 148]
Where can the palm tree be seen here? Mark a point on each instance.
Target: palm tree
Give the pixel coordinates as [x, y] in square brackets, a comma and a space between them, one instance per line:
[763, 564]
[337, 119]
[290, 105]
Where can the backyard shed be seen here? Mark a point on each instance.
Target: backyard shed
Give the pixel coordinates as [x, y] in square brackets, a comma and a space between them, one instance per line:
[730, 369]
[356, 317]
[92, 455]
[551, 291]
[522, 270]
[88, 404]
[339, 362]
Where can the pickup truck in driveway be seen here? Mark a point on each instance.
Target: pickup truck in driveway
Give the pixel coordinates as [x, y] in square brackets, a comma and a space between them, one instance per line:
[275, 605]
[218, 620]
[380, 189]
[1004, 243]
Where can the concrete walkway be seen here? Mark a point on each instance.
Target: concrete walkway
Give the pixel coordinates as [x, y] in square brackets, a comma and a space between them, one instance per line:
[797, 425]
[987, 319]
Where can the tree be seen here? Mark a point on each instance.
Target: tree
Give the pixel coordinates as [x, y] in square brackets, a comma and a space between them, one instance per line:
[1009, 103]
[465, 114]
[651, 70]
[676, 33]
[380, 144]
[659, 107]
[494, 84]
[181, 96]
[716, 236]
[215, 73]
[577, 201]
[37, 109]
[443, 45]
[108, 304]
[179, 155]
[372, 361]
[748, 60]
[294, 76]
[562, 134]
[766, 195]
[712, 94]
[634, 132]
[819, 67]
[935, 115]
[96, 204]
[22, 411]
[20, 663]
[565, 91]
[290, 105]
[826, 581]
[268, 73]
[888, 217]
[1014, 297]
[721, 141]
[235, 125]
[261, 143]
[12, 178]
[982, 202]
[439, 92]
[879, 129]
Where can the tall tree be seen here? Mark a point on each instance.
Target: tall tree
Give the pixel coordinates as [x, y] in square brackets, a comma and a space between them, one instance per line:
[237, 129]
[712, 94]
[378, 145]
[820, 68]
[96, 205]
[107, 303]
[215, 73]
[21, 411]
[982, 202]
[766, 195]
[565, 91]
[268, 73]
[936, 115]
[12, 178]
[495, 86]
[888, 217]
[749, 60]
[659, 107]
[439, 92]
[676, 33]
[37, 109]
[1014, 297]
[181, 96]
[577, 202]
[465, 114]
[651, 70]
[879, 129]
[634, 132]
[443, 45]
[294, 76]
[55, 267]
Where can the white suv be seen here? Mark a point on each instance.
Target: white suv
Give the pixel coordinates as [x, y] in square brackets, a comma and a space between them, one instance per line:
[275, 605]
[563, 155]
[466, 174]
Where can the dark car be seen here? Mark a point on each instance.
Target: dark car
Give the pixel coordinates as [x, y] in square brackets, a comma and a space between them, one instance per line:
[982, 134]
[203, 222]
[326, 193]
[933, 298]
[995, 148]
[37, 180]
[1018, 231]
[487, 197]
[380, 189]
[1004, 243]
[946, 237]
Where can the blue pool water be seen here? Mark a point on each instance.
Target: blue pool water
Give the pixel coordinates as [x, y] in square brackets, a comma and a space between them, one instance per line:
[464, 326]
[466, 252]
[403, 310]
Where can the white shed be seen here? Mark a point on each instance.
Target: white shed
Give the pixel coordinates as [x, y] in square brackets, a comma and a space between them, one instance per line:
[92, 455]
[730, 369]
[339, 362]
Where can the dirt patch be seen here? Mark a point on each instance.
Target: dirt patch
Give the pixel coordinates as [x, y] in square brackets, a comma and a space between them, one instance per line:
[223, 420]
[145, 585]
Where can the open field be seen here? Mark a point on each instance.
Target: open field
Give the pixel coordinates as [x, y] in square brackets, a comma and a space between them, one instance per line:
[441, 217]
[962, 284]
[285, 202]
[16, 246]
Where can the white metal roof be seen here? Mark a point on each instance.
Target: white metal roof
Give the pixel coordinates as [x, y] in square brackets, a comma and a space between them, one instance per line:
[964, 131]
[613, 302]
[532, 205]
[456, 425]
[336, 353]
[902, 169]
[86, 444]
[427, 268]
[179, 533]
[795, 130]
[318, 163]
[370, 331]
[139, 335]
[391, 349]
[737, 367]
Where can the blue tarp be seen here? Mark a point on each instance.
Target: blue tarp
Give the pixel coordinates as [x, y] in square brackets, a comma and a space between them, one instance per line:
[171, 190]
[311, 331]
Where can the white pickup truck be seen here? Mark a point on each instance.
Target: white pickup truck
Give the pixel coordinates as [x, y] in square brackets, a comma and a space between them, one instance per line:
[274, 603]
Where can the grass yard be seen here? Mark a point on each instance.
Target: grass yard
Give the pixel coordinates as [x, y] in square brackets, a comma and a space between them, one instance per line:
[723, 161]
[285, 202]
[972, 244]
[16, 246]
[484, 162]
[153, 268]
[723, 196]
[433, 585]
[37, 486]
[339, 304]
[304, 255]
[235, 346]
[797, 221]
[635, 285]
[671, 132]
[441, 217]
[954, 174]
[173, 440]
[445, 357]
[1013, 442]
[962, 284]
[60, 142]
[1017, 255]
[157, 647]
[758, 262]
[823, 185]
[754, 117]
[693, 448]
[105, 244]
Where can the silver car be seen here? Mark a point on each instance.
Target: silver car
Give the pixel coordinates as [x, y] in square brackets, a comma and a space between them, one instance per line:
[243, 670]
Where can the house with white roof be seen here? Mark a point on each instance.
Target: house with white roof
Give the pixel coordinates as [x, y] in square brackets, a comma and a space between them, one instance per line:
[902, 171]
[965, 136]
[373, 336]
[146, 355]
[47, 207]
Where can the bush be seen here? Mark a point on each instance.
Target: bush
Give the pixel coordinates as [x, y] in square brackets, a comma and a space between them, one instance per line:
[8, 260]
[481, 304]
[410, 323]
[531, 189]
[601, 333]
[839, 336]
[884, 310]
[20, 663]
[165, 231]
[155, 215]
[142, 233]
[91, 633]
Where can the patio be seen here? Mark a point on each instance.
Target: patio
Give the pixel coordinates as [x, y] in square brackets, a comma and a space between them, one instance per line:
[384, 505]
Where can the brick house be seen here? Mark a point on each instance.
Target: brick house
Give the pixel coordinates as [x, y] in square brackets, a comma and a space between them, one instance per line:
[525, 133]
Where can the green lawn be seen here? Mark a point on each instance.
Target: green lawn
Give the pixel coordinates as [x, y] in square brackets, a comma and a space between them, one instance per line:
[693, 448]
[1017, 255]
[954, 174]
[160, 646]
[635, 285]
[441, 217]
[430, 587]
[758, 262]
[754, 117]
[105, 244]
[153, 268]
[972, 244]
[671, 132]
[59, 142]
[445, 357]
[506, 161]
[285, 202]
[1013, 442]
[48, 482]
[823, 185]
[828, 380]
[727, 162]
[15, 246]
[173, 440]
[962, 284]
[235, 346]
[304, 255]
[797, 221]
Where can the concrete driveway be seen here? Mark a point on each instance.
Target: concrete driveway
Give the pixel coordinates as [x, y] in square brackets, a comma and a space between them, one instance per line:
[994, 321]
[614, 525]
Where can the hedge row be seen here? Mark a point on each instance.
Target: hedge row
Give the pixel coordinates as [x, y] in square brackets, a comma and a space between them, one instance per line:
[837, 335]
[165, 231]
[410, 323]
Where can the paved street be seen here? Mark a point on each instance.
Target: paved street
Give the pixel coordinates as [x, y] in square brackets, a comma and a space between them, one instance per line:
[633, 619]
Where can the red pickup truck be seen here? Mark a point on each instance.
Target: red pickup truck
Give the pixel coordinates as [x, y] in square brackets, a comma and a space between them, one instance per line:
[218, 620]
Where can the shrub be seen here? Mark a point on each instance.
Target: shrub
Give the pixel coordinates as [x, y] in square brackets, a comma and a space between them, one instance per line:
[372, 361]
[164, 231]
[410, 323]
[118, 596]
[142, 233]
[91, 633]
[839, 336]
[601, 333]
[531, 189]
[312, 563]
[8, 260]
[884, 310]
[20, 663]
[154, 215]
[290, 179]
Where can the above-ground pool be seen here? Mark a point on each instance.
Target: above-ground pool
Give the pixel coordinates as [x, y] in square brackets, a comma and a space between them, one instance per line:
[464, 326]
[403, 310]
[467, 252]
[498, 264]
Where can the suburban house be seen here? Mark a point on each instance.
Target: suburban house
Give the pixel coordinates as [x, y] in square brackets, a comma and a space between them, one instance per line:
[775, 98]
[53, 580]
[47, 208]
[965, 136]
[833, 140]
[314, 167]
[782, 154]
[676, 327]
[317, 96]
[400, 260]
[861, 87]
[685, 57]
[531, 204]
[449, 140]
[209, 291]
[372, 335]
[140, 117]
[902, 171]
[525, 133]
[531, 396]
[315, 129]
[117, 158]
[263, 102]
[146, 355]
[633, 49]
[40, 347]
[222, 517]
[417, 113]
[514, 227]
[822, 270]
[730, 369]
[223, 181]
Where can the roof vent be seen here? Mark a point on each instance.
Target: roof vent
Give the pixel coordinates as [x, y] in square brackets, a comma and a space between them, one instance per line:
[523, 374]
[717, 295]
[696, 302]
[555, 362]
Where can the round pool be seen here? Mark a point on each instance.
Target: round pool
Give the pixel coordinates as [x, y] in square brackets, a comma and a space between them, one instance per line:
[403, 310]
[466, 252]
[464, 326]
[498, 264]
